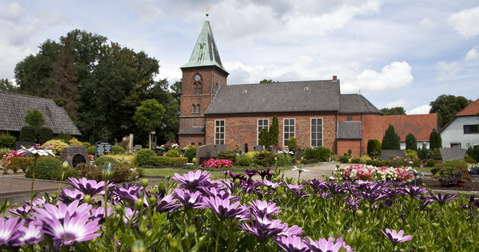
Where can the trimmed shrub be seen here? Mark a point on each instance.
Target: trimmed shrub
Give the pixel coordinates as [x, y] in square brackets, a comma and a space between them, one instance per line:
[265, 158]
[245, 160]
[7, 141]
[172, 153]
[230, 155]
[450, 164]
[57, 146]
[190, 153]
[274, 131]
[435, 140]
[391, 140]
[436, 153]
[22, 163]
[46, 168]
[469, 159]
[145, 158]
[292, 144]
[473, 152]
[44, 134]
[343, 159]
[75, 142]
[374, 147]
[356, 160]
[411, 143]
[91, 150]
[364, 159]
[28, 133]
[120, 173]
[117, 150]
[284, 159]
[101, 160]
[431, 163]
[320, 153]
[124, 159]
[165, 161]
[65, 137]
[263, 137]
[4, 151]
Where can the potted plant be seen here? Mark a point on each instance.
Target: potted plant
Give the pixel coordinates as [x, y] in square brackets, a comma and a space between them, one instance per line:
[453, 176]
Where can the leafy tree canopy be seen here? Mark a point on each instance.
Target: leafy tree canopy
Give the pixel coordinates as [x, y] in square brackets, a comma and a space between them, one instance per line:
[394, 111]
[264, 81]
[34, 118]
[447, 106]
[148, 115]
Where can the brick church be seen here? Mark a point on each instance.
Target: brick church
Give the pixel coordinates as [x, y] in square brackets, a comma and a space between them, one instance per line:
[315, 112]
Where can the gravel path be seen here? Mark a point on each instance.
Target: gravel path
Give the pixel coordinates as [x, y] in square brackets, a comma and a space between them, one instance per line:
[321, 171]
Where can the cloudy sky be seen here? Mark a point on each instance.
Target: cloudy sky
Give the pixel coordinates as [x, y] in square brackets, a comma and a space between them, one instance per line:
[394, 52]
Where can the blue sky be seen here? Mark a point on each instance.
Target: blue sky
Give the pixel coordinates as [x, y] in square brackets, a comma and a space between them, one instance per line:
[395, 53]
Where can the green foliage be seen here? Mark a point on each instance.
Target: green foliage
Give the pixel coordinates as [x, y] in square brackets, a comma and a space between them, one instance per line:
[447, 106]
[284, 159]
[319, 153]
[391, 140]
[148, 115]
[432, 163]
[65, 137]
[34, 118]
[101, 160]
[57, 146]
[190, 153]
[144, 157]
[469, 159]
[274, 132]
[473, 152]
[117, 149]
[44, 134]
[4, 151]
[28, 133]
[229, 155]
[121, 173]
[165, 161]
[292, 144]
[451, 171]
[343, 159]
[374, 147]
[377, 163]
[7, 86]
[411, 143]
[394, 111]
[265, 159]
[46, 168]
[74, 142]
[91, 150]
[245, 160]
[173, 153]
[435, 140]
[411, 154]
[436, 153]
[263, 137]
[22, 163]
[7, 141]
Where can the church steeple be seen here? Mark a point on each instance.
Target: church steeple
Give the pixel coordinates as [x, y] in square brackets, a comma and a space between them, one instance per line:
[205, 52]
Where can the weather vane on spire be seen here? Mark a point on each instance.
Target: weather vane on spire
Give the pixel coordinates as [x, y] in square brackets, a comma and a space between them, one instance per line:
[208, 10]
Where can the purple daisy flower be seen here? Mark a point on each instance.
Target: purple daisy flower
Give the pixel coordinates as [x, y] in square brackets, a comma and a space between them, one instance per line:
[192, 179]
[413, 190]
[265, 174]
[22, 211]
[269, 184]
[396, 237]
[167, 204]
[323, 245]
[291, 243]
[90, 187]
[250, 173]
[264, 228]
[98, 214]
[68, 195]
[293, 230]
[442, 198]
[52, 212]
[263, 208]
[129, 192]
[223, 207]
[188, 199]
[9, 231]
[31, 234]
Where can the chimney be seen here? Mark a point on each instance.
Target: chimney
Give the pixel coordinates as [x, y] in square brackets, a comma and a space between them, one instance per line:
[335, 78]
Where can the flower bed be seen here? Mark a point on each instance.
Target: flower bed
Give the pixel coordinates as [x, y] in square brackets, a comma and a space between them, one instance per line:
[373, 173]
[220, 163]
[193, 213]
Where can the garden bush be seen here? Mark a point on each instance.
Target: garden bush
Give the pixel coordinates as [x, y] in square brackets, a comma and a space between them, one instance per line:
[309, 161]
[117, 150]
[17, 163]
[101, 160]
[356, 160]
[145, 158]
[432, 162]
[245, 160]
[4, 151]
[120, 173]
[473, 152]
[292, 144]
[265, 159]
[28, 133]
[172, 153]
[284, 159]
[44, 134]
[65, 137]
[364, 159]
[453, 173]
[7, 141]
[436, 153]
[190, 153]
[123, 159]
[91, 150]
[57, 146]
[165, 161]
[450, 164]
[75, 142]
[320, 153]
[46, 168]
[374, 148]
[469, 159]
[229, 155]
[343, 159]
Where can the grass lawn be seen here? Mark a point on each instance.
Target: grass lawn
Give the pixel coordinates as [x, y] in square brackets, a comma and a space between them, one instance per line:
[215, 172]
[423, 169]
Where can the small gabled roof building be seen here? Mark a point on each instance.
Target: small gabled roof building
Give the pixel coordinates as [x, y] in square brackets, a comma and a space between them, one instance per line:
[14, 108]
[463, 130]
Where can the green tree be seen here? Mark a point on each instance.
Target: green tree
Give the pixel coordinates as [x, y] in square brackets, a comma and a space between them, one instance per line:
[7, 86]
[447, 106]
[176, 91]
[274, 132]
[411, 143]
[263, 137]
[435, 140]
[391, 140]
[64, 81]
[394, 111]
[148, 116]
[34, 118]
[374, 147]
[265, 81]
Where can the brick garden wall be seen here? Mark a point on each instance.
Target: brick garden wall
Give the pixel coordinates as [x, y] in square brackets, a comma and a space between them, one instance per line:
[353, 145]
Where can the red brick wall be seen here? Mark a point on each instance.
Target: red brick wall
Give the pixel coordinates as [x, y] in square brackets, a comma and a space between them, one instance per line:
[345, 145]
[242, 128]
[196, 140]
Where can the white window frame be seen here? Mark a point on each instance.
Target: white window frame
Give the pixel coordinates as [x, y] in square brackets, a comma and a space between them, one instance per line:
[262, 126]
[219, 140]
[311, 131]
[290, 134]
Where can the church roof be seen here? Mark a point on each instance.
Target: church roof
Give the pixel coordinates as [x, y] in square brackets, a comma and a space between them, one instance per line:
[14, 107]
[356, 103]
[205, 52]
[296, 96]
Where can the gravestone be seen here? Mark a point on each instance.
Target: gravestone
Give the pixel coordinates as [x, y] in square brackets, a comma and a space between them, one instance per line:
[74, 155]
[452, 153]
[138, 147]
[258, 148]
[102, 148]
[220, 148]
[246, 147]
[391, 154]
[206, 152]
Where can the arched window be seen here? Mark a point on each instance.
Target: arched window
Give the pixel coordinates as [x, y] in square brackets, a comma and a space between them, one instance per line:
[200, 88]
[195, 88]
[197, 108]
[193, 109]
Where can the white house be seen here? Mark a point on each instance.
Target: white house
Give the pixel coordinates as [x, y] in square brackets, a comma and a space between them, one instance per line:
[463, 130]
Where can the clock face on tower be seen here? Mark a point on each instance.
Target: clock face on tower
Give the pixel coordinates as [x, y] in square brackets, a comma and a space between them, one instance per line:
[197, 77]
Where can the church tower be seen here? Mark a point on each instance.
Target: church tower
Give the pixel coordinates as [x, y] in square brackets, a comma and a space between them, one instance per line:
[203, 75]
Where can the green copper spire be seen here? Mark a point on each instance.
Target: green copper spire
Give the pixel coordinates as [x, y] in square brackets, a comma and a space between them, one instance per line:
[205, 52]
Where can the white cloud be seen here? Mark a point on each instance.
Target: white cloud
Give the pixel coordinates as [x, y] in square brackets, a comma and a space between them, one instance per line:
[423, 109]
[428, 23]
[393, 76]
[465, 22]
[13, 13]
[472, 54]
[399, 103]
[447, 71]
